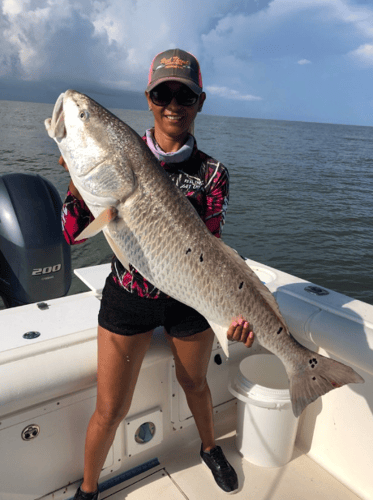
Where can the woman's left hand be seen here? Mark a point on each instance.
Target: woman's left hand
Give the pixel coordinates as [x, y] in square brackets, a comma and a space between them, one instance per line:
[240, 331]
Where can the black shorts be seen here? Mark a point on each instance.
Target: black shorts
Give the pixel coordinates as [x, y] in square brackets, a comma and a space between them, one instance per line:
[126, 313]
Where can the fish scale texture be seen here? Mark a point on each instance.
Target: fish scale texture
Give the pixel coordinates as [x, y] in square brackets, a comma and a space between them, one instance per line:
[157, 227]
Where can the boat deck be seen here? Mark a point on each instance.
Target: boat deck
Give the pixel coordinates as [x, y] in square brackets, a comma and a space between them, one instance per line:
[182, 476]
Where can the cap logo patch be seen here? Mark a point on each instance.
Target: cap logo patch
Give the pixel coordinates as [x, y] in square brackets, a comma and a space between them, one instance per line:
[173, 62]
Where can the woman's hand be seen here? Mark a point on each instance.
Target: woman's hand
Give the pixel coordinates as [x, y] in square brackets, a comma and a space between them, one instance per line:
[240, 331]
[72, 187]
[61, 161]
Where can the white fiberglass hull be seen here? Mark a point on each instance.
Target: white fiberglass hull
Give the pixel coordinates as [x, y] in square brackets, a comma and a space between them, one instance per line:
[48, 388]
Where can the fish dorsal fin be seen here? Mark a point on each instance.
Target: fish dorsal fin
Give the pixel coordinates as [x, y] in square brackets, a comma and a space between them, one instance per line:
[98, 224]
[118, 252]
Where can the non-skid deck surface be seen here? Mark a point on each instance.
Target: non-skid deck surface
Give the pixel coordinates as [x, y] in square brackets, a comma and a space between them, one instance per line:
[182, 476]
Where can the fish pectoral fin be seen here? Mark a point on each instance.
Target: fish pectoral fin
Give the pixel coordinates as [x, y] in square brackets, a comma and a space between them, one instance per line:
[221, 334]
[98, 224]
[118, 252]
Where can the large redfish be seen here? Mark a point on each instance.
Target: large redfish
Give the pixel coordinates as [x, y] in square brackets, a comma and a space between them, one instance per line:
[149, 223]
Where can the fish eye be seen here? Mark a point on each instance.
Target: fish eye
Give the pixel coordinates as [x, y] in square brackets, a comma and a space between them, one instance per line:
[83, 115]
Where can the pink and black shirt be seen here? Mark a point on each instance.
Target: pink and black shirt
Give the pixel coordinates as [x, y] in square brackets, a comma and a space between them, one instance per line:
[203, 180]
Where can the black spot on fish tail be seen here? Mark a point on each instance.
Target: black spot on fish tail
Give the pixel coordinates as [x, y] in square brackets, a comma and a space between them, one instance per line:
[201, 257]
[188, 251]
[324, 374]
[241, 285]
[280, 330]
[313, 362]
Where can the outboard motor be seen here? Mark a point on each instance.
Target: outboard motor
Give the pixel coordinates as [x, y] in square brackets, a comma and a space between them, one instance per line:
[35, 260]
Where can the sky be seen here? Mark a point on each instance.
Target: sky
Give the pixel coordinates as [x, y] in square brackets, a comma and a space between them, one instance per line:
[300, 60]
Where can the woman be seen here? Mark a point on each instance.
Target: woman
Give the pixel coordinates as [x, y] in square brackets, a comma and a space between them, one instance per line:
[131, 307]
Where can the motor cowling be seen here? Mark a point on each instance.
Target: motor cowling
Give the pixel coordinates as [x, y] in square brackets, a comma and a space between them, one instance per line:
[35, 260]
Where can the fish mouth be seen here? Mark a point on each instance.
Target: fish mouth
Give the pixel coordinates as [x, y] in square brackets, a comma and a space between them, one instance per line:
[56, 125]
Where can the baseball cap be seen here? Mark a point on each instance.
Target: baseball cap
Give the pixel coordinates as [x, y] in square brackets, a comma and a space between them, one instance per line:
[175, 65]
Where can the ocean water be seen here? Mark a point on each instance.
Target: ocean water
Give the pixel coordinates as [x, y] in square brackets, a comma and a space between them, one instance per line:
[300, 193]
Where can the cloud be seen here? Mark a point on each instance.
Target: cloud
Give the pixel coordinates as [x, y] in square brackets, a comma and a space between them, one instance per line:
[109, 40]
[240, 44]
[114, 40]
[286, 26]
[363, 54]
[49, 39]
[231, 94]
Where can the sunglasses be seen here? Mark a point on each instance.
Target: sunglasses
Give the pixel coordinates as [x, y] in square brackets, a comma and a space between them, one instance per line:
[162, 95]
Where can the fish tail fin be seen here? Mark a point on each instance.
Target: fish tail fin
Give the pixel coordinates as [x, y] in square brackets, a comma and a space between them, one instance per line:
[319, 376]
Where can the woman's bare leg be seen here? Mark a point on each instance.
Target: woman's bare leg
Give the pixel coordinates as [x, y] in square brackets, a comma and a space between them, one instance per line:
[192, 356]
[119, 362]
